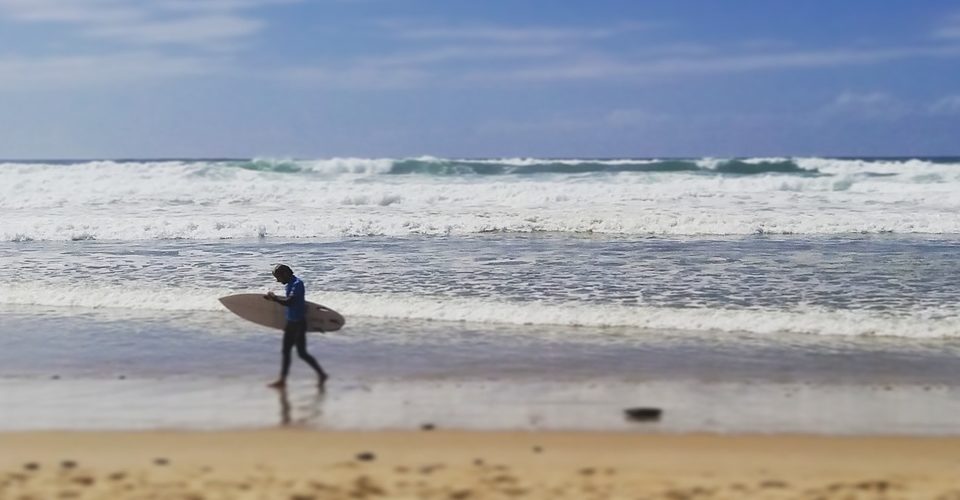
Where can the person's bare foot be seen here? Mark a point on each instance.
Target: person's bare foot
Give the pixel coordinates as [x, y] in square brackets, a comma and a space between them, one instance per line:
[279, 384]
[322, 379]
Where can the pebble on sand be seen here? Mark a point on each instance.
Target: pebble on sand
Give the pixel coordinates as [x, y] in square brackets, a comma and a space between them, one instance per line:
[641, 414]
[366, 456]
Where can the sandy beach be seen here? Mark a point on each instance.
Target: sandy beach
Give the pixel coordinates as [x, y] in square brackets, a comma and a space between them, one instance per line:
[639, 250]
[301, 464]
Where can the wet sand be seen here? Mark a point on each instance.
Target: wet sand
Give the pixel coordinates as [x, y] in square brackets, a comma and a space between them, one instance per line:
[303, 464]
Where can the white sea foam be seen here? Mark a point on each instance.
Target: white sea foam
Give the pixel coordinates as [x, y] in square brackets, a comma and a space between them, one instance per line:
[927, 323]
[332, 166]
[354, 197]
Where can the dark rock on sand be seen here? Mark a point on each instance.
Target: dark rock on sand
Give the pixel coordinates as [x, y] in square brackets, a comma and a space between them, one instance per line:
[640, 414]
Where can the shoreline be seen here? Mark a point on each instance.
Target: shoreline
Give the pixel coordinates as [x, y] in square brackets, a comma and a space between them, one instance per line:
[298, 463]
[399, 404]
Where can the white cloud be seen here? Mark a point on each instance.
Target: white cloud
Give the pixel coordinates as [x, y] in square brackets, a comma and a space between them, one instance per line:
[369, 77]
[71, 11]
[408, 69]
[199, 23]
[72, 71]
[460, 54]
[213, 6]
[498, 54]
[868, 105]
[539, 63]
[949, 29]
[204, 31]
[949, 105]
[133, 37]
[602, 66]
[508, 34]
[871, 99]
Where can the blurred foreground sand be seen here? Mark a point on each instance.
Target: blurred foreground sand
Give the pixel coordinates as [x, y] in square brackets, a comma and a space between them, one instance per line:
[300, 464]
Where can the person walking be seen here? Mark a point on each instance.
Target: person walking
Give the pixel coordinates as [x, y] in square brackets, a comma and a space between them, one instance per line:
[295, 331]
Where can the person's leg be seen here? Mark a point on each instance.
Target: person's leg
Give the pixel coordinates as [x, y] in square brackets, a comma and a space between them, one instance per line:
[301, 343]
[289, 340]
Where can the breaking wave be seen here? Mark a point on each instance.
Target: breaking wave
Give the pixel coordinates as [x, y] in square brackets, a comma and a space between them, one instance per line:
[265, 198]
[810, 320]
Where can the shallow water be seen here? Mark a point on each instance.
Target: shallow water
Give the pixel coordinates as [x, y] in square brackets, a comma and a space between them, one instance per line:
[196, 369]
[906, 286]
[750, 294]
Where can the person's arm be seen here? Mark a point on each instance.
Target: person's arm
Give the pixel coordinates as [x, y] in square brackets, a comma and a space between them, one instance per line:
[283, 301]
[296, 295]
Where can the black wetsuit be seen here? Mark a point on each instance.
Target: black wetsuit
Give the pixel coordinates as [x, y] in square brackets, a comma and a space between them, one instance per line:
[295, 331]
[295, 335]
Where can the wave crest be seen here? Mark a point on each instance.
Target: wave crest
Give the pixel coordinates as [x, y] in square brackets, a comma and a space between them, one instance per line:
[810, 320]
[129, 200]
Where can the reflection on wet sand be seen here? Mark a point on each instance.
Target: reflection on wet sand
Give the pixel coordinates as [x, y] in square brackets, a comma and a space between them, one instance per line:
[308, 411]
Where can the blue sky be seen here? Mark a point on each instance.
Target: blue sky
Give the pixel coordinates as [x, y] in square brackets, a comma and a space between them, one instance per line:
[372, 78]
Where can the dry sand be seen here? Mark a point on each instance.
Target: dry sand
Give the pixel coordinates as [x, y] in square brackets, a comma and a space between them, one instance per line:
[303, 464]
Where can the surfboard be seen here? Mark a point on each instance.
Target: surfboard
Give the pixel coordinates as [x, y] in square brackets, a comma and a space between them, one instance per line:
[253, 307]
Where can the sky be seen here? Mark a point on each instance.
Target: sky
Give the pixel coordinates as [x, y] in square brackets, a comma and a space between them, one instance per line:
[478, 78]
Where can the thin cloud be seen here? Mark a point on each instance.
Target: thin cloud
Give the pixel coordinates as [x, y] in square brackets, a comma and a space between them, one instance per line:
[862, 99]
[461, 54]
[223, 6]
[200, 23]
[71, 11]
[508, 34]
[133, 35]
[71, 71]
[871, 105]
[190, 31]
[466, 55]
[537, 64]
[949, 105]
[950, 29]
[368, 77]
[604, 67]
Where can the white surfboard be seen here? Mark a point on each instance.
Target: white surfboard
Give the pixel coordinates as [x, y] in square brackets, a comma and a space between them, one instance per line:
[253, 307]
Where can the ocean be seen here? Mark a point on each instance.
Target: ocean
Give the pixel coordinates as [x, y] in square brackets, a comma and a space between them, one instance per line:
[754, 294]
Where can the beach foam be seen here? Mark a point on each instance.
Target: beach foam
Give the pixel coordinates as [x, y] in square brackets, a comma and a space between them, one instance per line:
[922, 323]
[202, 200]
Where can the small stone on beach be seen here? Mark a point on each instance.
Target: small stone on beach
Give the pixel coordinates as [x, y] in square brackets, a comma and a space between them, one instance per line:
[366, 456]
[31, 466]
[84, 480]
[68, 464]
[428, 427]
[643, 414]
[160, 461]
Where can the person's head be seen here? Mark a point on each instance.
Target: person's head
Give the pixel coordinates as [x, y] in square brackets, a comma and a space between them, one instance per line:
[283, 273]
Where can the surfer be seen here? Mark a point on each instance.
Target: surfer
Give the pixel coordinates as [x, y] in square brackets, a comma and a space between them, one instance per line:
[295, 331]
